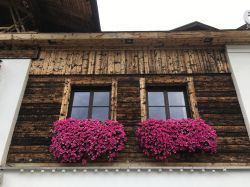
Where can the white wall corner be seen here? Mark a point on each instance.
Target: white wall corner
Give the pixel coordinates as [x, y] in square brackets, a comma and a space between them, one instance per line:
[1, 177]
[13, 79]
[239, 61]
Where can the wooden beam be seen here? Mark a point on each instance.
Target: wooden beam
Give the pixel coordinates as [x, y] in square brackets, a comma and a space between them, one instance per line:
[131, 35]
[160, 39]
[14, 18]
[15, 9]
[29, 53]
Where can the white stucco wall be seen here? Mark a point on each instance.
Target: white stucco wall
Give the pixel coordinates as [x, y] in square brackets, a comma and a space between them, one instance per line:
[172, 179]
[13, 78]
[239, 60]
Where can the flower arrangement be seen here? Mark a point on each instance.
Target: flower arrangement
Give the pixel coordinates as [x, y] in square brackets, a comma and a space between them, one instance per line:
[161, 139]
[76, 140]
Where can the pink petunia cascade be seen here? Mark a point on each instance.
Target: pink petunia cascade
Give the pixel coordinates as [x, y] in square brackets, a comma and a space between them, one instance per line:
[76, 140]
[161, 139]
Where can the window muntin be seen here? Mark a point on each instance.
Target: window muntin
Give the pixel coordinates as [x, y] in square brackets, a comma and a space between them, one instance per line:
[167, 103]
[90, 103]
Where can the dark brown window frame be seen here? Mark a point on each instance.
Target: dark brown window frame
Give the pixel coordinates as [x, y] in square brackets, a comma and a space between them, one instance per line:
[91, 90]
[166, 106]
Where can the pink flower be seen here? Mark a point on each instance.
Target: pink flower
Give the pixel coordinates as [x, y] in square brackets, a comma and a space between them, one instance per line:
[161, 139]
[81, 140]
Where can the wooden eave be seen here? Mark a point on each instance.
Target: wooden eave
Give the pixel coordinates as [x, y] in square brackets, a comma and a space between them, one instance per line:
[66, 15]
[49, 16]
[126, 39]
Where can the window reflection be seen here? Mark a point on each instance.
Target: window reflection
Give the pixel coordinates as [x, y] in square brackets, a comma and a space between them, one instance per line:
[164, 104]
[101, 99]
[81, 99]
[178, 112]
[176, 99]
[157, 112]
[79, 112]
[90, 104]
[156, 99]
[100, 113]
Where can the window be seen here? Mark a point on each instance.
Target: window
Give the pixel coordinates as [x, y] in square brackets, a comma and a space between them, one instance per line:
[90, 103]
[167, 103]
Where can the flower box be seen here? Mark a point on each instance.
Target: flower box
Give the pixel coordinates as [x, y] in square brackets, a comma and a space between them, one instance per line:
[161, 139]
[76, 140]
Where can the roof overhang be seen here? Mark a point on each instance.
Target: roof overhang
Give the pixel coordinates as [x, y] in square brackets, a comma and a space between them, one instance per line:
[49, 16]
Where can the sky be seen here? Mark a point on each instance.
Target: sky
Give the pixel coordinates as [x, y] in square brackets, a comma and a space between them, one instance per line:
[162, 15]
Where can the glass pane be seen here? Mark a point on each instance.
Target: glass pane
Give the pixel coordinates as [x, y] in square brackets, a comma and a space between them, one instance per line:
[176, 99]
[101, 99]
[81, 99]
[178, 112]
[101, 113]
[156, 99]
[79, 112]
[157, 112]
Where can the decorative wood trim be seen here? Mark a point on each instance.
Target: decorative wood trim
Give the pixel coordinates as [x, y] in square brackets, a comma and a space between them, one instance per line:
[114, 99]
[65, 99]
[143, 99]
[67, 92]
[192, 98]
[188, 81]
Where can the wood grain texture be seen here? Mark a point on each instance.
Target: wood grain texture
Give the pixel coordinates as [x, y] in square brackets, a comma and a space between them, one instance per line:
[139, 61]
[139, 39]
[216, 102]
[192, 98]
[114, 99]
[65, 99]
[143, 99]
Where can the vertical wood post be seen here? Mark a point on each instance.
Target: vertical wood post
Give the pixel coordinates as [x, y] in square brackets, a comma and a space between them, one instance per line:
[192, 98]
[143, 99]
[65, 99]
[114, 99]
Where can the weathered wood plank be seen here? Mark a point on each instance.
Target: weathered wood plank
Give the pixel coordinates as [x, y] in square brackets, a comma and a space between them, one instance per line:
[192, 98]
[66, 99]
[143, 61]
[143, 99]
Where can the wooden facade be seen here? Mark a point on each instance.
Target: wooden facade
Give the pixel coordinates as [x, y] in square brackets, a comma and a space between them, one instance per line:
[137, 61]
[129, 71]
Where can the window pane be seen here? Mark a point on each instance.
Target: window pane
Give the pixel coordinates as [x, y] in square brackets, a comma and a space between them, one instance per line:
[101, 113]
[81, 99]
[176, 99]
[157, 112]
[156, 99]
[178, 112]
[101, 99]
[79, 112]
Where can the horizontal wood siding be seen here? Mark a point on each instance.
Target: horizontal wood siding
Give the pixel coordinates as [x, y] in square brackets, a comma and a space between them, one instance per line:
[216, 99]
[127, 61]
